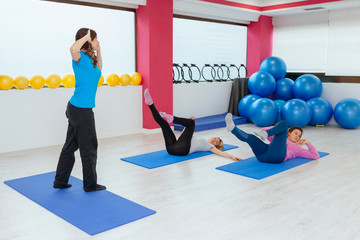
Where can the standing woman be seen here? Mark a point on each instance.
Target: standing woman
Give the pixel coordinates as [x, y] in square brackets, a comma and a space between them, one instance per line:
[81, 133]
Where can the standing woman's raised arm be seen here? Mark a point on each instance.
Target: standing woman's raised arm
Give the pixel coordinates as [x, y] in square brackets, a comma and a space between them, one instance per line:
[98, 55]
[75, 48]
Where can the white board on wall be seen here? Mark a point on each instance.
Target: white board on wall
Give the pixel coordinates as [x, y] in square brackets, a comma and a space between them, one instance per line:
[301, 41]
[202, 42]
[36, 37]
[344, 43]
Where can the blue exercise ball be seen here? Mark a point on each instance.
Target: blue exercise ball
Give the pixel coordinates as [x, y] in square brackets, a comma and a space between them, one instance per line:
[296, 112]
[275, 66]
[279, 104]
[262, 84]
[245, 104]
[263, 112]
[347, 113]
[283, 89]
[307, 86]
[321, 110]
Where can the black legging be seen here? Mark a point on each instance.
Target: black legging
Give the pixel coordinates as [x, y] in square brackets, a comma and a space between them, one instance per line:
[180, 147]
[81, 134]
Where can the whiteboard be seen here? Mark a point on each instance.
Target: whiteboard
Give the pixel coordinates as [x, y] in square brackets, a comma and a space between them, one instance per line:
[36, 37]
[301, 41]
[202, 42]
[344, 43]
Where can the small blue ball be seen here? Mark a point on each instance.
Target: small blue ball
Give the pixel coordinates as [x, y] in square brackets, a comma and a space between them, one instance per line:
[279, 104]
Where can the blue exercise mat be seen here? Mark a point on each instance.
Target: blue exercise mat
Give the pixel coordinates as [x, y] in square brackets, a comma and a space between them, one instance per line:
[211, 122]
[162, 158]
[92, 212]
[252, 168]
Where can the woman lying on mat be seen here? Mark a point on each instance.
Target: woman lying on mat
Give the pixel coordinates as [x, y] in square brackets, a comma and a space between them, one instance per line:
[186, 143]
[284, 143]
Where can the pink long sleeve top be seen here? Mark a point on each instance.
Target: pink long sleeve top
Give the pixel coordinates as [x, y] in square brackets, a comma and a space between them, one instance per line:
[293, 150]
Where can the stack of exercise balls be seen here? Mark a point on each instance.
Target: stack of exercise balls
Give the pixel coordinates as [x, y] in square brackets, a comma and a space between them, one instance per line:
[274, 97]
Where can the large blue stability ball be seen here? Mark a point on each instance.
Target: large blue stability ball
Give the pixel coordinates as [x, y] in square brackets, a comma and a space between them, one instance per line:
[283, 89]
[347, 113]
[245, 104]
[321, 110]
[263, 112]
[275, 66]
[307, 86]
[296, 112]
[279, 104]
[262, 84]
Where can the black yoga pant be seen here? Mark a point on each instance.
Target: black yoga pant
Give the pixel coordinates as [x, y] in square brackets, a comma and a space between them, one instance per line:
[81, 134]
[181, 146]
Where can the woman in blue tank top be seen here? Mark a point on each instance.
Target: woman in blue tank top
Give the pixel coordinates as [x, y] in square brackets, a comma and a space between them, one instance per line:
[81, 133]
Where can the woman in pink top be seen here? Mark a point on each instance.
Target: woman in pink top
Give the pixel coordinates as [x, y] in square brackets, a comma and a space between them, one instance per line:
[284, 143]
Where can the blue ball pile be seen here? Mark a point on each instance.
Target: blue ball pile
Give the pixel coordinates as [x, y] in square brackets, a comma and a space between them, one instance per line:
[274, 97]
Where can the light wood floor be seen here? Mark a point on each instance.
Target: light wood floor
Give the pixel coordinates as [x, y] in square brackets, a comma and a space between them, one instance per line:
[318, 200]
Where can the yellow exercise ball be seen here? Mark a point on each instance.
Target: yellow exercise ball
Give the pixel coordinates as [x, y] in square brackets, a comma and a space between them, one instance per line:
[37, 82]
[124, 79]
[6, 82]
[101, 81]
[112, 80]
[135, 79]
[68, 81]
[21, 82]
[53, 81]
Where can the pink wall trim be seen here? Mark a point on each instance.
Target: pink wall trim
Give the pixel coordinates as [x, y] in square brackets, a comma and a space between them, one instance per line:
[154, 23]
[234, 4]
[271, 7]
[260, 41]
[296, 4]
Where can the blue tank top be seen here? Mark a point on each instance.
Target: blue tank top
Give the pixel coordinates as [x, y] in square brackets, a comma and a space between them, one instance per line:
[86, 81]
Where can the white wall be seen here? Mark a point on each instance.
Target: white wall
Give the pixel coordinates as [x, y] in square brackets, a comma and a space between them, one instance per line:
[201, 99]
[343, 43]
[33, 118]
[36, 118]
[301, 41]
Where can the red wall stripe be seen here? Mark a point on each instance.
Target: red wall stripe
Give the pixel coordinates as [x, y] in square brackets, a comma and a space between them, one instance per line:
[271, 7]
[296, 4]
